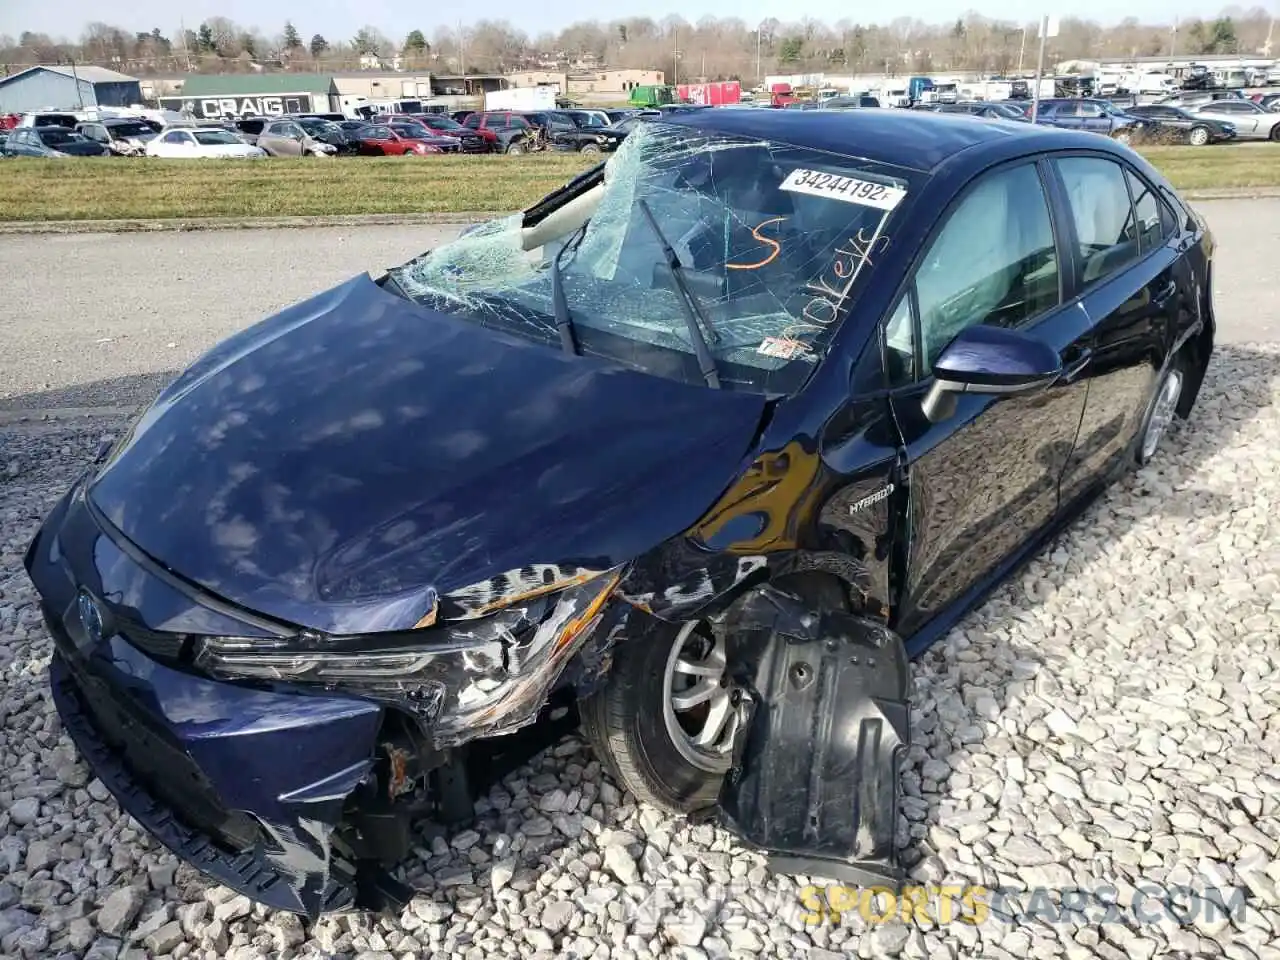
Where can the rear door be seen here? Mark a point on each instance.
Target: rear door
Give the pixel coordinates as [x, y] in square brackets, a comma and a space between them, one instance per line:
[983, 482]
[1130, 279]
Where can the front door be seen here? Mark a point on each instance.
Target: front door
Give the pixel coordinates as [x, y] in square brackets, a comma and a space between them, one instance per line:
[983, 481]
[1132, 282]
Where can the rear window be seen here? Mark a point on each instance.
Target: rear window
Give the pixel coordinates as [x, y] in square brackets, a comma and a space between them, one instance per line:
[213, 138]
[51, 137]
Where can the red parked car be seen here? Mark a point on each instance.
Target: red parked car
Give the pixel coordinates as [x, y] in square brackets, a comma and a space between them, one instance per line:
[402, 139]
[439, 125]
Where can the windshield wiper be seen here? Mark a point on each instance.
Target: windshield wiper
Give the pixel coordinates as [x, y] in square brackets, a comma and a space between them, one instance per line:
[564, 319]
[692, 308]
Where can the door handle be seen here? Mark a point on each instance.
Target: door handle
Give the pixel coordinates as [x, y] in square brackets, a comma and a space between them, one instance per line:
[1076, 367]
[1165, 294]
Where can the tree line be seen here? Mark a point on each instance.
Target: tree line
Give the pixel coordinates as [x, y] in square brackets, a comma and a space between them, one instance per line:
[712, 48]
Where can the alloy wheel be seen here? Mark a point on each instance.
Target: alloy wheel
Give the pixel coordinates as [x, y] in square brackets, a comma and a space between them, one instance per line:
[700, 706]
[1162, 413]
[1199, 137]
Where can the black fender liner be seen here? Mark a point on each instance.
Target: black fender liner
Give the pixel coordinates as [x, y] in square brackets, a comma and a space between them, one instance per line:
[815, 781]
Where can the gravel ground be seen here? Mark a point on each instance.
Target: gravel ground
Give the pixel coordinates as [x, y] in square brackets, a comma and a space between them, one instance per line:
[1110, 717]
[1108, 721]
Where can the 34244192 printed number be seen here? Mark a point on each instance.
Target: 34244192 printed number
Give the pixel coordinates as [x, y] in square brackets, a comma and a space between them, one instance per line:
[816, 183]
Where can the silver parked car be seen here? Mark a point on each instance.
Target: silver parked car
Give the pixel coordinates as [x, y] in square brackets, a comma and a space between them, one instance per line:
[1251, 121]
[286, 138]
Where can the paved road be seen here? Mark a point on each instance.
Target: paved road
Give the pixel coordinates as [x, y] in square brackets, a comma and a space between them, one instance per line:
[92, 320]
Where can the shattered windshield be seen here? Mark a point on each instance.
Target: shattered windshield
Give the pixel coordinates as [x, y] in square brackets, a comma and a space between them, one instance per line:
[773, 242]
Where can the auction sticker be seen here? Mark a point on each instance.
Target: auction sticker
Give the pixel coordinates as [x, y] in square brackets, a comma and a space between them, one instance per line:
[781, 347]
[849, 189]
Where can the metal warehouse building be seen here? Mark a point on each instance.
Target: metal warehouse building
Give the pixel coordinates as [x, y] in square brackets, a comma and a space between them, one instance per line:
[260, 94]
[67, 88]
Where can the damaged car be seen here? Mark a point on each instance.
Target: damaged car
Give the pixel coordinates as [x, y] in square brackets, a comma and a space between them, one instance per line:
[696, 452]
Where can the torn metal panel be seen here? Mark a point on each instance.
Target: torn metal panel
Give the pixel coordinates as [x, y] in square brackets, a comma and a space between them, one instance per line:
[679, 578]
[815, 782]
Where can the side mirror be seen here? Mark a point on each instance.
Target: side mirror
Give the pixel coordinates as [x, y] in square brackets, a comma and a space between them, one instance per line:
[990, 360]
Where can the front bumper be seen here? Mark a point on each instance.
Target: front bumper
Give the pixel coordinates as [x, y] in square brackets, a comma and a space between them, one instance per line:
[249, 785]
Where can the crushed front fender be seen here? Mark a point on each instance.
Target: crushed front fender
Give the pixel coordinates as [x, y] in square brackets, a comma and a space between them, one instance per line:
[815, 784]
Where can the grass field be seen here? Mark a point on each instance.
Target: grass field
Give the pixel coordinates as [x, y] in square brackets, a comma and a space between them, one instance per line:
[119, 188]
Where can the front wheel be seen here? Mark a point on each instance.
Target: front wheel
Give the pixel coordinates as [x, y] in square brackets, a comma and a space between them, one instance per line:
[590, 148]
[666, 718]
[515, 148]
[1198, 137]
[1122, 136]
[1275, 133]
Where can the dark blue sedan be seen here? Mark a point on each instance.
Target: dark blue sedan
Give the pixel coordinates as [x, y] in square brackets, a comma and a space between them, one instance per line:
[1095, 116]
[699, 450]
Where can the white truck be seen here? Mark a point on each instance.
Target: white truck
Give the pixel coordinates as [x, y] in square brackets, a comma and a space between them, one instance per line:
[521, 98]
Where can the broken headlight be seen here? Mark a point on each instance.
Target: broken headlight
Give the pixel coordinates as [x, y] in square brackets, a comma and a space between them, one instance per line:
[465, 679]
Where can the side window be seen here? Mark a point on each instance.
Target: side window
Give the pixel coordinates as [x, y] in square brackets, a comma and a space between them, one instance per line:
[174, 137]
[993, 262]
[1102, 214]
[1146, 210]
[1090, 110]
[473, 122]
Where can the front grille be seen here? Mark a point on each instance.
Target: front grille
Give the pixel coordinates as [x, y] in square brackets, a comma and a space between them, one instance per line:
[158, 763]
[149, 751]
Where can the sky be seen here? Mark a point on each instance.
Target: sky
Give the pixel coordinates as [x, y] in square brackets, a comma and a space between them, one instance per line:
[342, 18]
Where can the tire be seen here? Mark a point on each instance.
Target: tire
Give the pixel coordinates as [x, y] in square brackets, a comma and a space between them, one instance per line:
[1199, 136]
[1123, 136]
[1161, 411]
[1275, 133]
[590, 148]
[627, 723]
[515, 148]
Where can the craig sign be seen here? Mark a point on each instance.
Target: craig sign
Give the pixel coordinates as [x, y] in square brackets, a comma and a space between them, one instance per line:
[213, 107]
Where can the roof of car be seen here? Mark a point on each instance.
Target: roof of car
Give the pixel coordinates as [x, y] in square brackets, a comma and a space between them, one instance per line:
[913, 139]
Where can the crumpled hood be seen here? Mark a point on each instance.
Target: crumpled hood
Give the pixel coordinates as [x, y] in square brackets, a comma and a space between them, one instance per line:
[335, 464]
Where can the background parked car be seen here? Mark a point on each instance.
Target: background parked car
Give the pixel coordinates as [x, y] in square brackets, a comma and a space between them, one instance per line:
[288, 138]
[401, 140]
[439, 125]
[250, 127]
[1177, 125]
[51, 142]
[124, 136]
[987, 111]
[1095, 116]
[506, 132]
[326, 131]
[68, 120]
[589, 118]
[202, 143]
[1251, 121]
[1267, 101]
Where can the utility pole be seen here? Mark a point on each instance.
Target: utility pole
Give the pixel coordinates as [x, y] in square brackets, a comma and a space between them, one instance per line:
[182, 33]
[462, 57]
[759, 75]
[1035, 95]
[1173, 38]
[1022, 48]
[76, 77]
